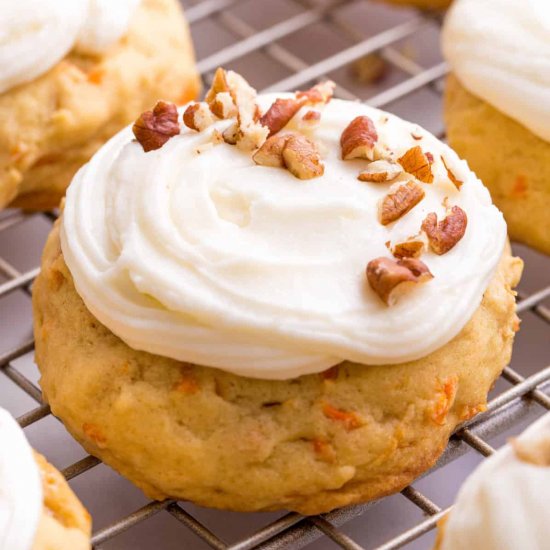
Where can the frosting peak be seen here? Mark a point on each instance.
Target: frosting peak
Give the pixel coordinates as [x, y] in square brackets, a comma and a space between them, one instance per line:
[500, 51]
[195, 252]
[504, 504]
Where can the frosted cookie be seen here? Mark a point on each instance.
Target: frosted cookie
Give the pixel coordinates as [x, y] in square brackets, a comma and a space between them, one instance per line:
[38, 510]
[504, 504]
[283, 301]
[72, 74]
[423, 4]
[497, 106]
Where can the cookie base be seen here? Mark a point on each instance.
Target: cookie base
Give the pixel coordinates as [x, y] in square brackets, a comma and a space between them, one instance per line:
[311, 444]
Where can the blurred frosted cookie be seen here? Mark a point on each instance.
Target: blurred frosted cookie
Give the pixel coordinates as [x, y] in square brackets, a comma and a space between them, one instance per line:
[38, 510]
[73, 73]
[283, 301]
[423, 4]
[497, 106]
[504, 504]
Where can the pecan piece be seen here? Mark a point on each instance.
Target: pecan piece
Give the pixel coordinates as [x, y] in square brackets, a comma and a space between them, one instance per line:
[358, 139]
[444, 235]
[154, 128]
[399, 202]
[301, 158]
[279, 114]
[380, 171]
[390, 279]
[411, 248]
[320, 93]
[250, 134]
[415, 162]
[215, 97]
[271, 152]
[454, 180]
[309, 120]
[198, 117]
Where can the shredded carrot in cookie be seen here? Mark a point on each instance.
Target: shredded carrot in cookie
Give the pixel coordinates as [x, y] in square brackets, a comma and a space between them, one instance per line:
[351, 420]
[445, 397]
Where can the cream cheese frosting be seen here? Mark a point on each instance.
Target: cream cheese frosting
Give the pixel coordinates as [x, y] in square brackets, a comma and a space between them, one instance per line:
[196, 253]
[21, 499]
[36, 34]
[504, 504]
[500, 52]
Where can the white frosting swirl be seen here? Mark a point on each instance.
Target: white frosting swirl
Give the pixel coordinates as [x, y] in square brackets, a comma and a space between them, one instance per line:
[500, 51]
[504, 504]
[21, 499]
[209, 258]
[37, 34]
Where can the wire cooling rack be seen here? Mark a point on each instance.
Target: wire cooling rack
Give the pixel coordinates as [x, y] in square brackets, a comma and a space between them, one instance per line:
[390, 58]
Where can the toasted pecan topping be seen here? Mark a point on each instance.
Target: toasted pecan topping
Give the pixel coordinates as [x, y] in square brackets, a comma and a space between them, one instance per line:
[154, 128]
[358, 139]
[397, 203]
[309, 120]
[198, 117]
[444, 235]
[301, 158]
[250, 134]
[271, 152]
[417, 163]
[380, 171]
[222, 106]
[454, 180]
[230, 134]
[390, 278]
[219, 86]
[279, 114]
[411, 248]
[320, 93]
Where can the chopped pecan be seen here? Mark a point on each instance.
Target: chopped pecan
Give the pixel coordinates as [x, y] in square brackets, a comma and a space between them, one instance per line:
[198, 117]
[250, 134]
[271, 152]
[535, 452]
[415, 162]
[222, 106]
[454, 180]
[411, 248]
[359, 139]
[444, 235]
[309, 120]
[219, 86]
[417, 134]
[390, 278]
[154, 128]
[230, 134]
[301, 158]
[331, 373]
[320, 93]
[397, 203]
[380, 171]
[279, 114]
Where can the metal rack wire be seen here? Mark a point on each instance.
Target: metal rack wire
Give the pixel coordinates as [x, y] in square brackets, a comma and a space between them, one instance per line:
[293, 530]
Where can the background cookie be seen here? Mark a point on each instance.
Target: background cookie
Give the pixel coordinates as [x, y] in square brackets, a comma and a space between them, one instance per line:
[424, 4]
[65, 523]
[53, 125]
[510, 160]
[310, 444]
